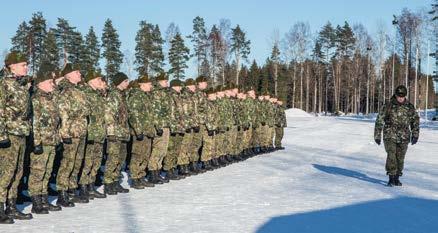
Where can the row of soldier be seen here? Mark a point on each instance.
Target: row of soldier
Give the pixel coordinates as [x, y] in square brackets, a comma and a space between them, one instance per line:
[169, 132]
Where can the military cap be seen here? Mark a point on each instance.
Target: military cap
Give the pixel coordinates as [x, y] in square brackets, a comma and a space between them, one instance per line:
[119, 78]
[162, 76]
[44, 73]
[15, 57]
[210, 91]
[190, 82]
[401, 91]
[68, 68]
[133, 84]
[92, 74]
[201, 79]
[143, 79]
[175, 83]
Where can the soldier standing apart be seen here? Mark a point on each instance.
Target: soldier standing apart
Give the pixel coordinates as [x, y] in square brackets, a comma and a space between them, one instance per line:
[14, 127]
[46, 137]
[211, 127]
[74, 110]
[280, 124]
[116, 118]
[95, 90]
[400, 124]
[198, 134]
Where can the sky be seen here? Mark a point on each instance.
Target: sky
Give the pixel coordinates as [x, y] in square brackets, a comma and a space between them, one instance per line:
[259, 19]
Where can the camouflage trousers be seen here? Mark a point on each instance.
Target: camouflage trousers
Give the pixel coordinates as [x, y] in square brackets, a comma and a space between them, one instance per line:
[117, 151]
[239, 145]
[11, 167]
[171, 159]
[72, 158]
[159, 150]
[92, 162]
[185, 149]
[220, 143]
[40, 171]
[395, 157]
[266, 136]
[197, 144]
[279, 132]
[140, 155]
[245, 141]
[256, 136]
[231, 141]
[208, 147]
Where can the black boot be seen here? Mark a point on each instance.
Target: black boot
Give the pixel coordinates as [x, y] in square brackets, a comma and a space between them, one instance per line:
[154, 177]
[92, 192]
[46, 204]
[37, 206]
[207, 165]
[195, 169]
[4, 219]
[79, 198]
[136, 184]
[215, 163]
[173, 175]
[183, 170]
[108, 189]
[146, 183]
[397, 181]
[83, 193]
[63, 200]
[391, 181]
[222, 161]
[232, 158]
[118, 187]
[12, 211]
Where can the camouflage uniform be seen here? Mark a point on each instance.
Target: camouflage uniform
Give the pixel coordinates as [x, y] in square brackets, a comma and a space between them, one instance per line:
[95, 137]
[244, 121]
[15, 126]
[74, 109]
[116, 119]
[46, 122]
[400, 123]
[226, 123]
[192, 121]
[142, 123]
[200, 101]
[261, 127]
[280, 124]
[270, 108]
[211, 122]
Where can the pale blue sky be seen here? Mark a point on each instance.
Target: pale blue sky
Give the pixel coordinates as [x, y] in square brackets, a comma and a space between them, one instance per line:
[258, 18]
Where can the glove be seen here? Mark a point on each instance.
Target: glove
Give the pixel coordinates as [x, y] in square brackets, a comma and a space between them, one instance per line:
[188, 130]
[140, 137]
[181, 134]
[196, 129]
[90, 142]
[6, 143]
[210, 133]
[263, 123]
[227, 129]
[238, 128]
[173, 134]
[59, 147]
[112, 138]
[67, 141]
[414, 140]
[159, 132]
[38, 149]
[378, 141]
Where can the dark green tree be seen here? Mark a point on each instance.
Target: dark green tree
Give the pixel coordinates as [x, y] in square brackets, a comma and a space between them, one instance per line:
[148, 50]
[111, 49]
[240, 46]
[178, 57]
[199, 39]
[20, 42]
[91, 53]
[50, 50]
[37, 35]
[64, 35]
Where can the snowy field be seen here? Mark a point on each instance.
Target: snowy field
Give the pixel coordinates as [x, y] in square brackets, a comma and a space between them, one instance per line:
[330, 178]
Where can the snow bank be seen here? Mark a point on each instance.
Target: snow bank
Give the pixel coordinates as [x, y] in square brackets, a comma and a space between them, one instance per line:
[296, 112]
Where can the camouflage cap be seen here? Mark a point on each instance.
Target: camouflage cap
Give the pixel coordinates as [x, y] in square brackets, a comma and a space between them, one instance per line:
[133, 84]
[161, 76]
[14, 57]
[190, 82]
[68, 68]
[201, 79]
[401, 91]
[92, 74]
[210, 91]
[143, 79]
[176, 83]
[44, 73]
[119, 78]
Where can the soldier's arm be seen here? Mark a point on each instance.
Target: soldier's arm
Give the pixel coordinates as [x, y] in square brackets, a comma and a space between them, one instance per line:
[64, 109]
[109, 115]
[3, 131]
[134, 106]
[380, 122]
[36, 126]
[415, 123]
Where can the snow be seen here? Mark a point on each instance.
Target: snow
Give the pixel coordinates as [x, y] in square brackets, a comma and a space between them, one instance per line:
[296, 112]
[330, 178]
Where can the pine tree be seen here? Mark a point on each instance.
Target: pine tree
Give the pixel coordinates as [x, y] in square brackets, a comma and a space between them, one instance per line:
[157, 61]
[149, 51]
[91, 54]
[76, 48]
[200, 42]
[111, 49]
[21, 40]
[275, 58]
[37, 34]
[64, 35]
[50, 50]
[240, 47]
[345, 40]
[178, 56]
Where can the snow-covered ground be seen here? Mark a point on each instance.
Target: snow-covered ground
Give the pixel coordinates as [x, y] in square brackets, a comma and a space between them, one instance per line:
[330, 178]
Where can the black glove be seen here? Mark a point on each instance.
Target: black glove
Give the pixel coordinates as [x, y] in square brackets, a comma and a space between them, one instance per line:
[227, 129]
[159, 132]
[6, 143]
[263, 123]
[378, 141]
[246, 128]
[112, 138]
[91, 142]
[210, 133]
[173, 134]
[38, 149]
[67, 141]
[196, 129]
[181, 134]
[238, 128]
[414, 140]
[59, 147]
[188, 130]
[140, 137]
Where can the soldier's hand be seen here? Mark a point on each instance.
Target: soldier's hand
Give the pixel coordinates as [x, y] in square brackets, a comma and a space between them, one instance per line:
[263, 123]
[181, 134]
[238, 128]
[159, 132]
[188, 130]
[59, 147]
[67, 141]
[112, 138]
[140, 137]
[38, 149]
[6, 143]
[414, 140]
[91, 142]
[210, 133]
[378, 141]
[196, 129]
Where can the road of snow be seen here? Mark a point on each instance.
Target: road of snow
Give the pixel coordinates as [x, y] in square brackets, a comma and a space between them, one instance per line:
[329, 179]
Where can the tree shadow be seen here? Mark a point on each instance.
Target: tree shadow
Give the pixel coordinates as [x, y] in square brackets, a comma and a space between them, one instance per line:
[398, 215]
[348, 173]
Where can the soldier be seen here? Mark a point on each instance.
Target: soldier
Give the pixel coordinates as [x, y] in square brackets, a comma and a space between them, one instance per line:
[14, 127]
[95, 91]
[116, 118]
[74, 110]
[142, 130]
[211, 127]
[199, 134]
[162, 102]
[400, 124]
[254, 123]
[280, 124]
[46, 137]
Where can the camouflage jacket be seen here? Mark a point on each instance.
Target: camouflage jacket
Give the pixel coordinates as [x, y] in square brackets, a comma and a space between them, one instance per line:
[211, 115]
[252, 109]
[179, 122]
[46, 119]
[74, 110]
[398, 121]
[15, 108]
[190, 105]
[116, 115]
[140, 113]
[262, 116]
[162, 102]
[242, 113]
[96, 120]
[201, 107]
[280, 116]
